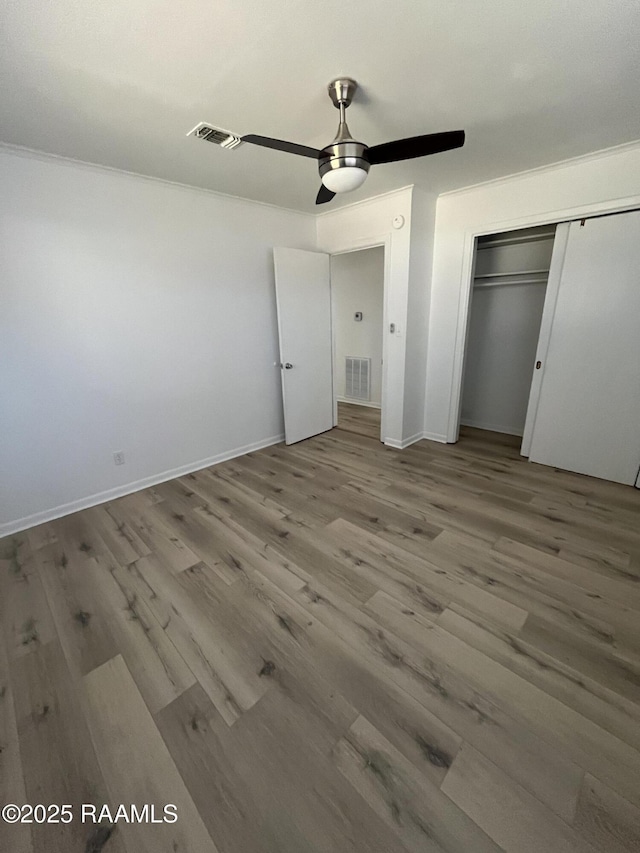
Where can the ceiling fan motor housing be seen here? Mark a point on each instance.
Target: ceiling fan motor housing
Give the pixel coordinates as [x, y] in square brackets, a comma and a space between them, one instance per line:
[341, 154]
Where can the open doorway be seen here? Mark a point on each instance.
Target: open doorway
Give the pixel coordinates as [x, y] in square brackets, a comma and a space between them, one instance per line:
[509, 288]
[357, 305]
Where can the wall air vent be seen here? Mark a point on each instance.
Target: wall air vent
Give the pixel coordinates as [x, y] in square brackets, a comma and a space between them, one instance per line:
[357, 378]
[223, 138]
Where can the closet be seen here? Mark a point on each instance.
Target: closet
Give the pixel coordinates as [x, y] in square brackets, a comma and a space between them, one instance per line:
[509, 288]
[553, 344]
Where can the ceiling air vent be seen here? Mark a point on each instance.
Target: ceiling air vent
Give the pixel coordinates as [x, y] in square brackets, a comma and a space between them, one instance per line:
[223, 138]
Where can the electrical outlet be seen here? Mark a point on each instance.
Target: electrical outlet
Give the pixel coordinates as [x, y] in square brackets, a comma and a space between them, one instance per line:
[118, 457]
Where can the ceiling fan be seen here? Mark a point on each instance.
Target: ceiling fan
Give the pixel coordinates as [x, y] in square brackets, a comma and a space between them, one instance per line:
[345, 162]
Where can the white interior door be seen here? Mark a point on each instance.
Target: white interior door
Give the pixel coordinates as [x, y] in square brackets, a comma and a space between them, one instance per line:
[548, 310]
[588, 417]
[303, 296]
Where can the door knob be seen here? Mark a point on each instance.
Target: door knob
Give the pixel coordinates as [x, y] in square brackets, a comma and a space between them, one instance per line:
[288, 366]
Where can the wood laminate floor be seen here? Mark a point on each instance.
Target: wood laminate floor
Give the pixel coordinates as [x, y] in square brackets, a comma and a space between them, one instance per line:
[332, 647]
[362, 420]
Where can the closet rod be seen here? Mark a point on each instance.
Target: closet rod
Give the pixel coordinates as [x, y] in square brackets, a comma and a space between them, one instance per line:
[505, 274]
[505, 283]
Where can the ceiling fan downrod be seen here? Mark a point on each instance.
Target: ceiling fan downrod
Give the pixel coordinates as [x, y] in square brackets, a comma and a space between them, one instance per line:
[345, 154]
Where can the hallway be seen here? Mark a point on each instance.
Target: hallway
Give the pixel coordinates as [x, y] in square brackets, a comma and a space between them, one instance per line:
[361, 420]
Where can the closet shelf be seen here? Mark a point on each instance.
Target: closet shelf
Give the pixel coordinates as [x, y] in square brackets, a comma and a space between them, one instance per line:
[508, 241]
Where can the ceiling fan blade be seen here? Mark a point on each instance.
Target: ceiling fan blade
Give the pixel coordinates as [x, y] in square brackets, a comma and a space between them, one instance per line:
[415, 146]
[281, 145]
[324, 195]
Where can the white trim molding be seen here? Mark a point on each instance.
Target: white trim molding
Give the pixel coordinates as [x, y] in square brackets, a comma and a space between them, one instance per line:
[435, 436]
[406, 442]
[351, 402]
[364, 201]
[10, 527]
[44, 156]
[548, 167]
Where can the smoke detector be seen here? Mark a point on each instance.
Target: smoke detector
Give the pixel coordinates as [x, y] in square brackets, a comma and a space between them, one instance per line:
[223, 138]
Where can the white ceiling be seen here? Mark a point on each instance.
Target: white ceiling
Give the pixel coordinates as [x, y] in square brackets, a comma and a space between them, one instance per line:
[120, 82]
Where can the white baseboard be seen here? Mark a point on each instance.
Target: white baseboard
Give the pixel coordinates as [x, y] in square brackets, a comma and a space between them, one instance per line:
[491, 427]
[435, 436]
[7, 528]
[358, 403]
[400, 445]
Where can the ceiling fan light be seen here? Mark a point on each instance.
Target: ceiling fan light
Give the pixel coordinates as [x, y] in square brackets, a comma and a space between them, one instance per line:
[344, 179]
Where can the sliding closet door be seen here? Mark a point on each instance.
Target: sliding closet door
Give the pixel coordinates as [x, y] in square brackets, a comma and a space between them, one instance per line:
[588, 417]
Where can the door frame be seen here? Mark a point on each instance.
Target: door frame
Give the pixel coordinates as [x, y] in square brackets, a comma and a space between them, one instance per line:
[360, 246]
[620, 205]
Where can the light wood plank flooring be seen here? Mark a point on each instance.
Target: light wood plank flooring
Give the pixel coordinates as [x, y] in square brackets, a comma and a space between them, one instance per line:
[362, 420]
[332, 647]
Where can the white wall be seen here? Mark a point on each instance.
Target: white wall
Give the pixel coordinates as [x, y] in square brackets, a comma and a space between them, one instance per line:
[368, 223]
[140, 316]
[357, 284]
[592, 184]
[423, 212]
[135, 316]
[501, 349]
